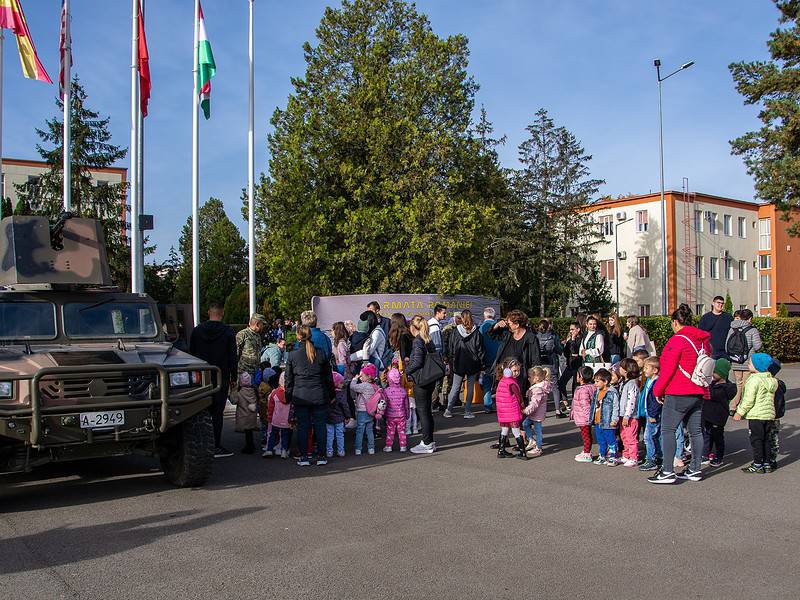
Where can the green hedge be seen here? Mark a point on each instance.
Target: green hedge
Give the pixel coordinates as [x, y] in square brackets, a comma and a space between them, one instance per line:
[781, 336]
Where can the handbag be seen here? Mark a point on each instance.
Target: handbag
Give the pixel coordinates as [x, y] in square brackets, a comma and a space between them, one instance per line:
[432, 371]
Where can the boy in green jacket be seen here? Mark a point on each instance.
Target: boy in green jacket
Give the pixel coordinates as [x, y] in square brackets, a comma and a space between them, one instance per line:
[758, 407]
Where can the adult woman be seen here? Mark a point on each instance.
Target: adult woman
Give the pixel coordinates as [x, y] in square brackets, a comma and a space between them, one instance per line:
[421, 347]
[309, 387]
[681, 397]
[550, 355]
[636, 337]
[572, 352]
[466, 361]
[616, 342]
[376, 347]
[341, 346]
[400, 338]
[516, 341]
[593, 343]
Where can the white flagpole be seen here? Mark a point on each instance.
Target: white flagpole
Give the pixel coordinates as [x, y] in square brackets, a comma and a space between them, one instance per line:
[251, 227]
[134, 152]
[140, 167]
[67, 171]
[195, 177]
[2, 179]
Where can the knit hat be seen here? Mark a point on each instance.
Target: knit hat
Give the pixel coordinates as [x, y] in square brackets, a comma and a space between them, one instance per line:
[245, 380]
[394, 376]
[761, 361]
[722, 367]
[338, 379]
[362, 327]
[369, 370]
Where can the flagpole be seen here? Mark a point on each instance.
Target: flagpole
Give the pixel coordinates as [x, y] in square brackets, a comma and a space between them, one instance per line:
[140, 165]
[67, 171]
[195, 177]
[134, 152]
[251, 227]
[2, 180]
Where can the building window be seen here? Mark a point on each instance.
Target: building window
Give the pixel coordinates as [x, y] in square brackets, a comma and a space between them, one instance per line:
[727, 225]
[644, 267]
[644, 310]
[764, 234]
[743, 270]
[699, 309]
[698, 220]
[712, 222]
[641, 220]
[766, 291]
[700, 267]
[606, 225]
[742, 227]
[102, 183]
[607, 269]
[764, 261]
[714, 268]
[729, 269]
[742, 306]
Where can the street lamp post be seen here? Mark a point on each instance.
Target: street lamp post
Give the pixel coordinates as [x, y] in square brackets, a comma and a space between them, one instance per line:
[616, 258]
[664, 289]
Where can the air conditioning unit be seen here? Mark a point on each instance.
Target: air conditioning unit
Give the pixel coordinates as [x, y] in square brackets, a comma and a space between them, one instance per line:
[622, 255]
[621, 216]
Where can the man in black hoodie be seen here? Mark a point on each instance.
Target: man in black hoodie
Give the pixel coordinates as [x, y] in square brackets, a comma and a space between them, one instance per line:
[215, 343]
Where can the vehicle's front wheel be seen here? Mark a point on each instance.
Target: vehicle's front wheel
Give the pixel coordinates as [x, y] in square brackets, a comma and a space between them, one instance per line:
[187, 452]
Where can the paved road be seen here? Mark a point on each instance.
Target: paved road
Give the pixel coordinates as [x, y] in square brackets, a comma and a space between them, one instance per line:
[457, 524]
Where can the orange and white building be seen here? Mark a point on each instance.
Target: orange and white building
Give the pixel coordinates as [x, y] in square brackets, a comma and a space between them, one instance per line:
[715, 246]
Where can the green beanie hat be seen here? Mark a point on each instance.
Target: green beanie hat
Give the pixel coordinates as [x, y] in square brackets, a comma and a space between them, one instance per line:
[722, 367]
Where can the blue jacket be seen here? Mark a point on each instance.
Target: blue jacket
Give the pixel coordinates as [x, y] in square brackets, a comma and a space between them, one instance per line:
[321, 342]
[652, 406]
[609, 411]
[490, 345]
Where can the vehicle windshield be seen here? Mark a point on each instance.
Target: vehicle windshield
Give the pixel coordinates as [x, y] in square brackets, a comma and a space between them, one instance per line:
[31, 320]
[109, 319]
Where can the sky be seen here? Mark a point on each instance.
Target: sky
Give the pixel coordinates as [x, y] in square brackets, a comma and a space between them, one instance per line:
[588, 62]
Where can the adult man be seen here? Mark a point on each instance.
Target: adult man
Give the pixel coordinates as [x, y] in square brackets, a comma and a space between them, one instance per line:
[435, 324]
[383, 322]
[321, 341]
[215, 343]
[490, 346]
[275, 353]
[717, 322]
[248, 345]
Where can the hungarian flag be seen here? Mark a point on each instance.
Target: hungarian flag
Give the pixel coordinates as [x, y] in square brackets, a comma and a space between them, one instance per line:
[144, 66]
[206, 68]
[65, 47]
[12, 17]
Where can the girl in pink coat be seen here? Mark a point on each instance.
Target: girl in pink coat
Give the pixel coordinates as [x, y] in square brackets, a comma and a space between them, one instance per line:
[581, 407]
[509, 407]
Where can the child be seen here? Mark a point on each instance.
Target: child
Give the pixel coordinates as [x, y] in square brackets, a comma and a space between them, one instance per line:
[338, 413]
[534, 412]
[715, 413]
[581, 410]
[640, 356]
[364, 387]
[397, 410]
[629, 405]
[616, 380]
[652, 407]
[509, 403]
[780, 412]
[758, 407]
[246, 401]
[605, 416]
[278, 411]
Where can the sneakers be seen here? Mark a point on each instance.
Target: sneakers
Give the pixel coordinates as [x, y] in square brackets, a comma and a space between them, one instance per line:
[403, 448]
[284, 454]
[613, 461]
[267, 453]
[534, 452]
[423, 448]
[754, 468]
[488, 410]
[222, 452]
[469, 415]
[689, 475]
[583, 457]
[662, 477]
[447, 414]
[322, 461]
[648, 465]
[370, 450]
[629, 462]
[358, 451]
[560, 415]
[600, 460]
[705, 460]
[715, 462]
[387, 449]
[768, 468]
[531, 445]
[304, 461]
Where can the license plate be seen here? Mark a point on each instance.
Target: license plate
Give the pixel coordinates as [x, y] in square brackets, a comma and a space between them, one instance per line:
[106, 418]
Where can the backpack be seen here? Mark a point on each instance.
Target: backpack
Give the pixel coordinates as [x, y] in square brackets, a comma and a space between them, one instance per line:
[547, 344]
[780, 400]
[703, 368]
[376, 405]
[737, 346]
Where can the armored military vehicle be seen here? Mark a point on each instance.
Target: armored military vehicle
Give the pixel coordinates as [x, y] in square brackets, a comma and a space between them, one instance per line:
[85, 369]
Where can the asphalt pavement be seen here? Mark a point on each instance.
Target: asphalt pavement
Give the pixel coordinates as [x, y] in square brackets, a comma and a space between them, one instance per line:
[456, 524]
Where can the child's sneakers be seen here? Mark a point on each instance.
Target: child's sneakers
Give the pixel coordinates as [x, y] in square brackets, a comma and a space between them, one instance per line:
[648, 465]
[284, 454]
[613, 461]
[403, 448]
[534, 452]
[447, 414]
[530, 446]
[387, 448]
[304, 461]
[754, 468]
[583, 457]
[600, 460]
[715, 462]
[629, 462]
[322, 461]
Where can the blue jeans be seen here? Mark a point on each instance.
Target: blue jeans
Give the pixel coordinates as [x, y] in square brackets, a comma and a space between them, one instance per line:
[607, 440]
[364, 424]
[455, 390]
[652, 441]
[335, 430]
[272, 440]
[308, 416]
[487, 381]
[537, 425]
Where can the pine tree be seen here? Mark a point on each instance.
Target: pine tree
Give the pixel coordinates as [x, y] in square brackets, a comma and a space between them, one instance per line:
[728, 307]
[594, 292]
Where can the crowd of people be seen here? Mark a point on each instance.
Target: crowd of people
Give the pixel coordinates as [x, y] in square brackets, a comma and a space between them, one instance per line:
[385, 377]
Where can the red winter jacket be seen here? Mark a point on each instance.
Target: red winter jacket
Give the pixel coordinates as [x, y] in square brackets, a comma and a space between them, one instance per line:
[679, 351]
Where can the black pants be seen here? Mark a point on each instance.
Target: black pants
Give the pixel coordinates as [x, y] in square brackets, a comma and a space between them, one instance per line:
[422, 396]
[760, 432]
[315, 416]
[713, 440]
[568, 375]
[217, 410]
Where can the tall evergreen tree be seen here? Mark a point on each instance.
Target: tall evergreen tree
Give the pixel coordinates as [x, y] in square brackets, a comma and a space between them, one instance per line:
[91, 148]
[378, 181]
[593, 292]
[772, 154]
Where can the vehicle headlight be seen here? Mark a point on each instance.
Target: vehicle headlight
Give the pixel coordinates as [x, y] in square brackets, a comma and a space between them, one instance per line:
[179, 379]
[6, 389]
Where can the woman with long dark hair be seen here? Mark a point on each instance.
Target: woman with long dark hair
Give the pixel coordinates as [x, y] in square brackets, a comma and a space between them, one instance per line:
[615, 348]
[400, 338]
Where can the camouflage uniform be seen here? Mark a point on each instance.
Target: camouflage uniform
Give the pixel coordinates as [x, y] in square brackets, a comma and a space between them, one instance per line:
[248, 345]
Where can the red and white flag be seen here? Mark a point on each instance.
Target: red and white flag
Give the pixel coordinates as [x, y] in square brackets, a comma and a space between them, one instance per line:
[65, 46]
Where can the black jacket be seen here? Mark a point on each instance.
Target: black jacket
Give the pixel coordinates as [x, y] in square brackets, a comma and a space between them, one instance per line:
[406, 343]
[215, 343]
[466, 351]
[715, 409]
[615, 344]
[530, 348]
[419, 354]
[572, 352]
[307, 383]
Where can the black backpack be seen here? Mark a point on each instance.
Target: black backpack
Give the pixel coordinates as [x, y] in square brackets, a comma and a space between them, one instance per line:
[737, 347]
[780, 400]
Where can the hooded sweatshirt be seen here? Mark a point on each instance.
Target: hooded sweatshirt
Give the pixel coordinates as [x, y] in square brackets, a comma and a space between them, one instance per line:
[537, 400]
[678, 351]
[466, 351]
[581, 404]
[753, 338]
[758, 397]
[215, 343]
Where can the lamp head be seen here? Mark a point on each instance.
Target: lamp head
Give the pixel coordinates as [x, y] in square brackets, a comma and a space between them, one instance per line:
[657, 63]
[687, 65]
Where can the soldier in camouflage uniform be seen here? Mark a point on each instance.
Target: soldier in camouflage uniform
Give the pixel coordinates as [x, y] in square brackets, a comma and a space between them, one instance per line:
[248, 346]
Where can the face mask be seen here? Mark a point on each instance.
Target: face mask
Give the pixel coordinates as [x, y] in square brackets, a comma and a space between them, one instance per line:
[507, 373]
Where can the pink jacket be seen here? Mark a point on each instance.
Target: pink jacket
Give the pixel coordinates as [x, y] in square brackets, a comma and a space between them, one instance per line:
[582, 404]
[679, 351]
[280, 410]
[508, 400]
[537, 400]
[397, 402]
